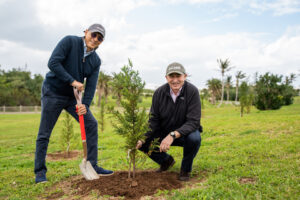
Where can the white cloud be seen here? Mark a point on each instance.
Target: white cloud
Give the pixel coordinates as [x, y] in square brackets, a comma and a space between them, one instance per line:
[78, 12]
[14, 55]
[193, 1]
[279, 7]
[152, 52]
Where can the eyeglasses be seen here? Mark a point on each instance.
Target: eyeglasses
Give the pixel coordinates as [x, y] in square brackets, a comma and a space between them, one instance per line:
[99, 37]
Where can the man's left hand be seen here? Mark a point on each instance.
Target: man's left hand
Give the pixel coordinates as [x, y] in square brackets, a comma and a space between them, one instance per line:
[166, 143]
[81, 109]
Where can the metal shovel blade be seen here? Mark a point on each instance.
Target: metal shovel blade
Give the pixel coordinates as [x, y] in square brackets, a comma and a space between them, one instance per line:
[87, 170]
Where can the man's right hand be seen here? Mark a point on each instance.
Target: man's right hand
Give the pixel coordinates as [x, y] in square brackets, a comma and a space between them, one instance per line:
[78, 85]
[139, 144]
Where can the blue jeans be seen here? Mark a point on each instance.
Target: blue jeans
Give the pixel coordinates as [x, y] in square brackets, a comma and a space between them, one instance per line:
[52, 106]
[190, 143]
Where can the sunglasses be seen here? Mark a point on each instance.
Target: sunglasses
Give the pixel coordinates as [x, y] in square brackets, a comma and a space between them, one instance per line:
[99, 37]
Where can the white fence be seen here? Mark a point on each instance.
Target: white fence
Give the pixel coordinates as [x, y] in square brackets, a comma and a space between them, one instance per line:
[9, 109]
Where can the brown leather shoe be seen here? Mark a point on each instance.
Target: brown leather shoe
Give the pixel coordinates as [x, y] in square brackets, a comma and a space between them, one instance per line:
[184, 176]
[166, 165]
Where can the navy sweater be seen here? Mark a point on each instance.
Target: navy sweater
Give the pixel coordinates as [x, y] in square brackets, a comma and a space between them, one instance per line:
[183, 115]
[67, 63]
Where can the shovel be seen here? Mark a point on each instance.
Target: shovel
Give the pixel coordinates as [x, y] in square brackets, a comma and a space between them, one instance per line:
[85, 166]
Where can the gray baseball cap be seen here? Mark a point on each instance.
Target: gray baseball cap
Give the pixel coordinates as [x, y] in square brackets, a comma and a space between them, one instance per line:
[175, 68]
[97, 28]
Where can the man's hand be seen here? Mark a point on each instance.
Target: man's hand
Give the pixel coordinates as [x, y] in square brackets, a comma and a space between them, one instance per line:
[78, 85]
[166, 143]
[81, 109]
[139, 144]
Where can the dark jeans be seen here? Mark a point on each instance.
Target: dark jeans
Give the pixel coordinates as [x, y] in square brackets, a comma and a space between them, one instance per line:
[190, 143]
[52, 106]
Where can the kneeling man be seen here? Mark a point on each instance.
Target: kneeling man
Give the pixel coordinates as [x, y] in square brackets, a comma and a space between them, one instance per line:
[174, 119]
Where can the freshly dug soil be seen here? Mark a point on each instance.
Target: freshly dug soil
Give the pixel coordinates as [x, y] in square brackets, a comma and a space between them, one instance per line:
[118, 184]
[63, 155]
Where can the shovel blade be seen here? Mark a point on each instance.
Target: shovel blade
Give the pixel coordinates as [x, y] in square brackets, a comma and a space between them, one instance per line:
[87, 170]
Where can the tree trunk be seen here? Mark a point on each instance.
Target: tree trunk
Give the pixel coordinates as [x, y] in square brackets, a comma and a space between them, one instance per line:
[222, 92]
[242, 110]
[227, 95]
[129, 160]
[133, 162]
[68, 149]
[99, 98]
[119, 99]
[236, 90]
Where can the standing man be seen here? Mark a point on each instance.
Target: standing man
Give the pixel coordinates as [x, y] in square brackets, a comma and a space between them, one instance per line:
[73, 60]
[174, 119]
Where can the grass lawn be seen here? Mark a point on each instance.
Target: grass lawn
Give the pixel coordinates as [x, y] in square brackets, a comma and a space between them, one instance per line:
[253, 157]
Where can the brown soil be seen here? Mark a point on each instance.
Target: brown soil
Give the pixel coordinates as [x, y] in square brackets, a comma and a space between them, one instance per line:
[63, 155]
[247, 180]
[118, 185]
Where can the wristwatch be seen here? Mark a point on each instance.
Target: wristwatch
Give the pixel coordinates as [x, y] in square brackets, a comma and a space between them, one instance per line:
[173, 135]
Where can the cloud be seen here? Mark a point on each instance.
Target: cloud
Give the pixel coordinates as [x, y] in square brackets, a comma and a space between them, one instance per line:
[78, 12]
[152, 52]
[279, 7]
[34, 28]
[14, 55]
[193, 1]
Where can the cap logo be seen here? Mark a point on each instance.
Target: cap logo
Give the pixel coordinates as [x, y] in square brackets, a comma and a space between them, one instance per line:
[175, 67]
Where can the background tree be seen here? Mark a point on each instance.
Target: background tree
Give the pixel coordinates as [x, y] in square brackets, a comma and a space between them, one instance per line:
[203, 96]
[67, 133]
[214, 88]
[228, 85]
[268, 92]
[246, 98]
[18, 87]
[117, 85]
[239, 75]
[287, 90]
[101, 121]
[224, 67]
[133, 122]
[103, 86]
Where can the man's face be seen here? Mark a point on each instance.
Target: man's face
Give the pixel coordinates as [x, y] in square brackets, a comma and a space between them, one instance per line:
[91, 39]
[176, 81]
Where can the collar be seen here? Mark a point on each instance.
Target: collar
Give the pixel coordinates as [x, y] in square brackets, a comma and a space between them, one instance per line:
[85, 48]
[172, 93]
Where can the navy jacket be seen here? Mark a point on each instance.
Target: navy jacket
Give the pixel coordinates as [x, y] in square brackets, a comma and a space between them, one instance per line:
[182, 116]
[67, 64]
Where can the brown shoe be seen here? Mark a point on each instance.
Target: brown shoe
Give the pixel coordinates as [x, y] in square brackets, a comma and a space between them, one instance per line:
[184, 176]
[166, 165]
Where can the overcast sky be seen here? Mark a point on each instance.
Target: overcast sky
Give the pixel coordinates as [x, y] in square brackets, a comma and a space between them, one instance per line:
[256, 35]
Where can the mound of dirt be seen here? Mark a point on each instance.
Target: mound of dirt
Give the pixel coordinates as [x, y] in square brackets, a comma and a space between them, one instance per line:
[118, 184]
[63, 155]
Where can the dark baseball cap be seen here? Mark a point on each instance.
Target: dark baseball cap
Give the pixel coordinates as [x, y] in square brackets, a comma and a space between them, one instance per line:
[97, 28]
[175, 68]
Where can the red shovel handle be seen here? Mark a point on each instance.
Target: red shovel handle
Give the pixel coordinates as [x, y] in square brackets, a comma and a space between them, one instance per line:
[82, 129]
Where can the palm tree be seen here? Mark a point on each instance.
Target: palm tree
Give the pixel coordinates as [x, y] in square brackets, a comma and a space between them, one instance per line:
[239, 75]
[228, 85]
[290, 79]
[214, 87]
[224, 67]
[103, 86]
[117, 85]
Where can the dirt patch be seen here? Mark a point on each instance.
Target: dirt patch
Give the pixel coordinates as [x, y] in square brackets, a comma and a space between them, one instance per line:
[55, 195]
[63, 155]
[247, 180]
[119, 185]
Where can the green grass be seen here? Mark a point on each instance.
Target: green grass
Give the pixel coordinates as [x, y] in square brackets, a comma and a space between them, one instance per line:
[262, 146]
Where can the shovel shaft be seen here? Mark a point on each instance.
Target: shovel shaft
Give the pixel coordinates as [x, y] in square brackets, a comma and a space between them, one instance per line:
[82, 128]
